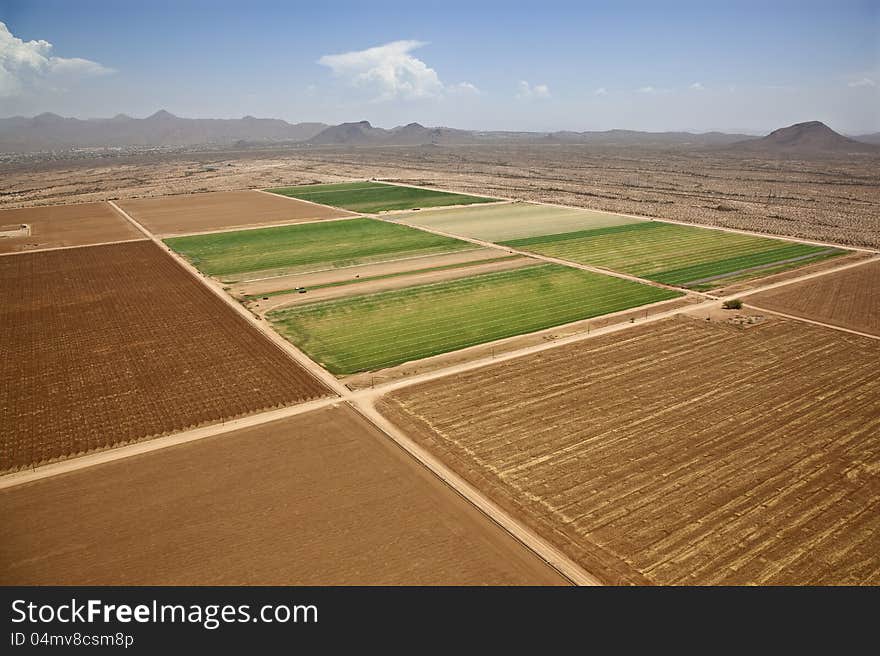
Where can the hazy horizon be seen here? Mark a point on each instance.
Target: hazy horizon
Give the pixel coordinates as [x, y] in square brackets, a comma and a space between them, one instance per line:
[750, 68]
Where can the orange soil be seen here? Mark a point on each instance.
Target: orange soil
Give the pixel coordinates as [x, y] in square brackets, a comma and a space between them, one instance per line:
[187, 213]
[681, 452]
[66, 225]
[317, 499]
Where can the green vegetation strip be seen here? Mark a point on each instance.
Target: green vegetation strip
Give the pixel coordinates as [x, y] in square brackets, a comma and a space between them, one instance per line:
[355, 281]
[767, 270]
[323, 244]
[388, 328]
[671, 254]
[373, 197]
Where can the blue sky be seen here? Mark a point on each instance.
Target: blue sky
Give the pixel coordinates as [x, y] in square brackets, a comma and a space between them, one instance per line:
[516, 66]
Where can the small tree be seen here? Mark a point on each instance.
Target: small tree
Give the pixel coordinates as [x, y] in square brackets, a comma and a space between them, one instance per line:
[732, 304]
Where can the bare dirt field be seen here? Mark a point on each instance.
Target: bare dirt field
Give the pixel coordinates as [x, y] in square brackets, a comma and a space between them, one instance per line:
[317, 499]
[190, 213]
[835, 199]
[850, 299]
[682, 451]
[386, 284]
[66, 225]
[361, 271]
[110, 344]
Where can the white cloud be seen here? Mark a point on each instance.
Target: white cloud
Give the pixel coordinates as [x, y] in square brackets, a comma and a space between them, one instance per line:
[862, 82]
[696, 86]
[391, 71]
[527, 91]
[601, 91]
[463, 88]
[646, 90]
[28, 65]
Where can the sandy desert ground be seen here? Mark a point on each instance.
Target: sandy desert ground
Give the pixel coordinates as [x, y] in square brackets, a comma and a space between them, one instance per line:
[834, 199]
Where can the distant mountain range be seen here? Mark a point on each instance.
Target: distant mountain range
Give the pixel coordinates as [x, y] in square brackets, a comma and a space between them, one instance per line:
[364, 134]
[48, 132]
[53, 132]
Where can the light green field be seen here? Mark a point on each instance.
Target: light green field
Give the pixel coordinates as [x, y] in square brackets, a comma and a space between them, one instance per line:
[380, 330]
[698, 258]
[372, 197]
[308, 246]
[513, 220]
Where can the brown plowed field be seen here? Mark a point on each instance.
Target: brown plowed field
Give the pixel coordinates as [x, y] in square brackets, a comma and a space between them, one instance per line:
[317, 499]
[111, 344]
[850, 299]
[187, 213]
[682, 452]
[66, 225]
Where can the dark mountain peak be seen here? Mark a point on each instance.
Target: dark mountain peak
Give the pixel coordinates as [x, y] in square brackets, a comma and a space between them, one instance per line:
[804, 138]
[161, 115]
[798, 131]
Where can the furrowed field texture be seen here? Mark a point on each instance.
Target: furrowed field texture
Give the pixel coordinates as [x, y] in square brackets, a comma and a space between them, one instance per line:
[679, 452]
[849, 299]
[372, 197]
[381, 330]
[320, 498]
[246, 254]
[513, 220]
[110, 344]
[697, 258]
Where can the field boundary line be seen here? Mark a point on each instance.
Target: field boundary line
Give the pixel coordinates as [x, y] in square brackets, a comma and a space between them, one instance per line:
[654, 218]
[462, 367]
[537, 256]
[519, 531]
[289, 349]
[310, 202]
[172, 235]
[806, 276]
[147, 445]
[355, 266]
[814, 322]
[67, 248]
[544, 331]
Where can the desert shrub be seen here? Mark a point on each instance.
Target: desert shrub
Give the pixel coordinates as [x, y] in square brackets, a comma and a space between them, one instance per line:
[732, 304]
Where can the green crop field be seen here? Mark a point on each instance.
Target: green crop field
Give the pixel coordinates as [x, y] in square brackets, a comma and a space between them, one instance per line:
[380, 330]
[374, 197]
[697, 258]
[308, 246]
[513, 220]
